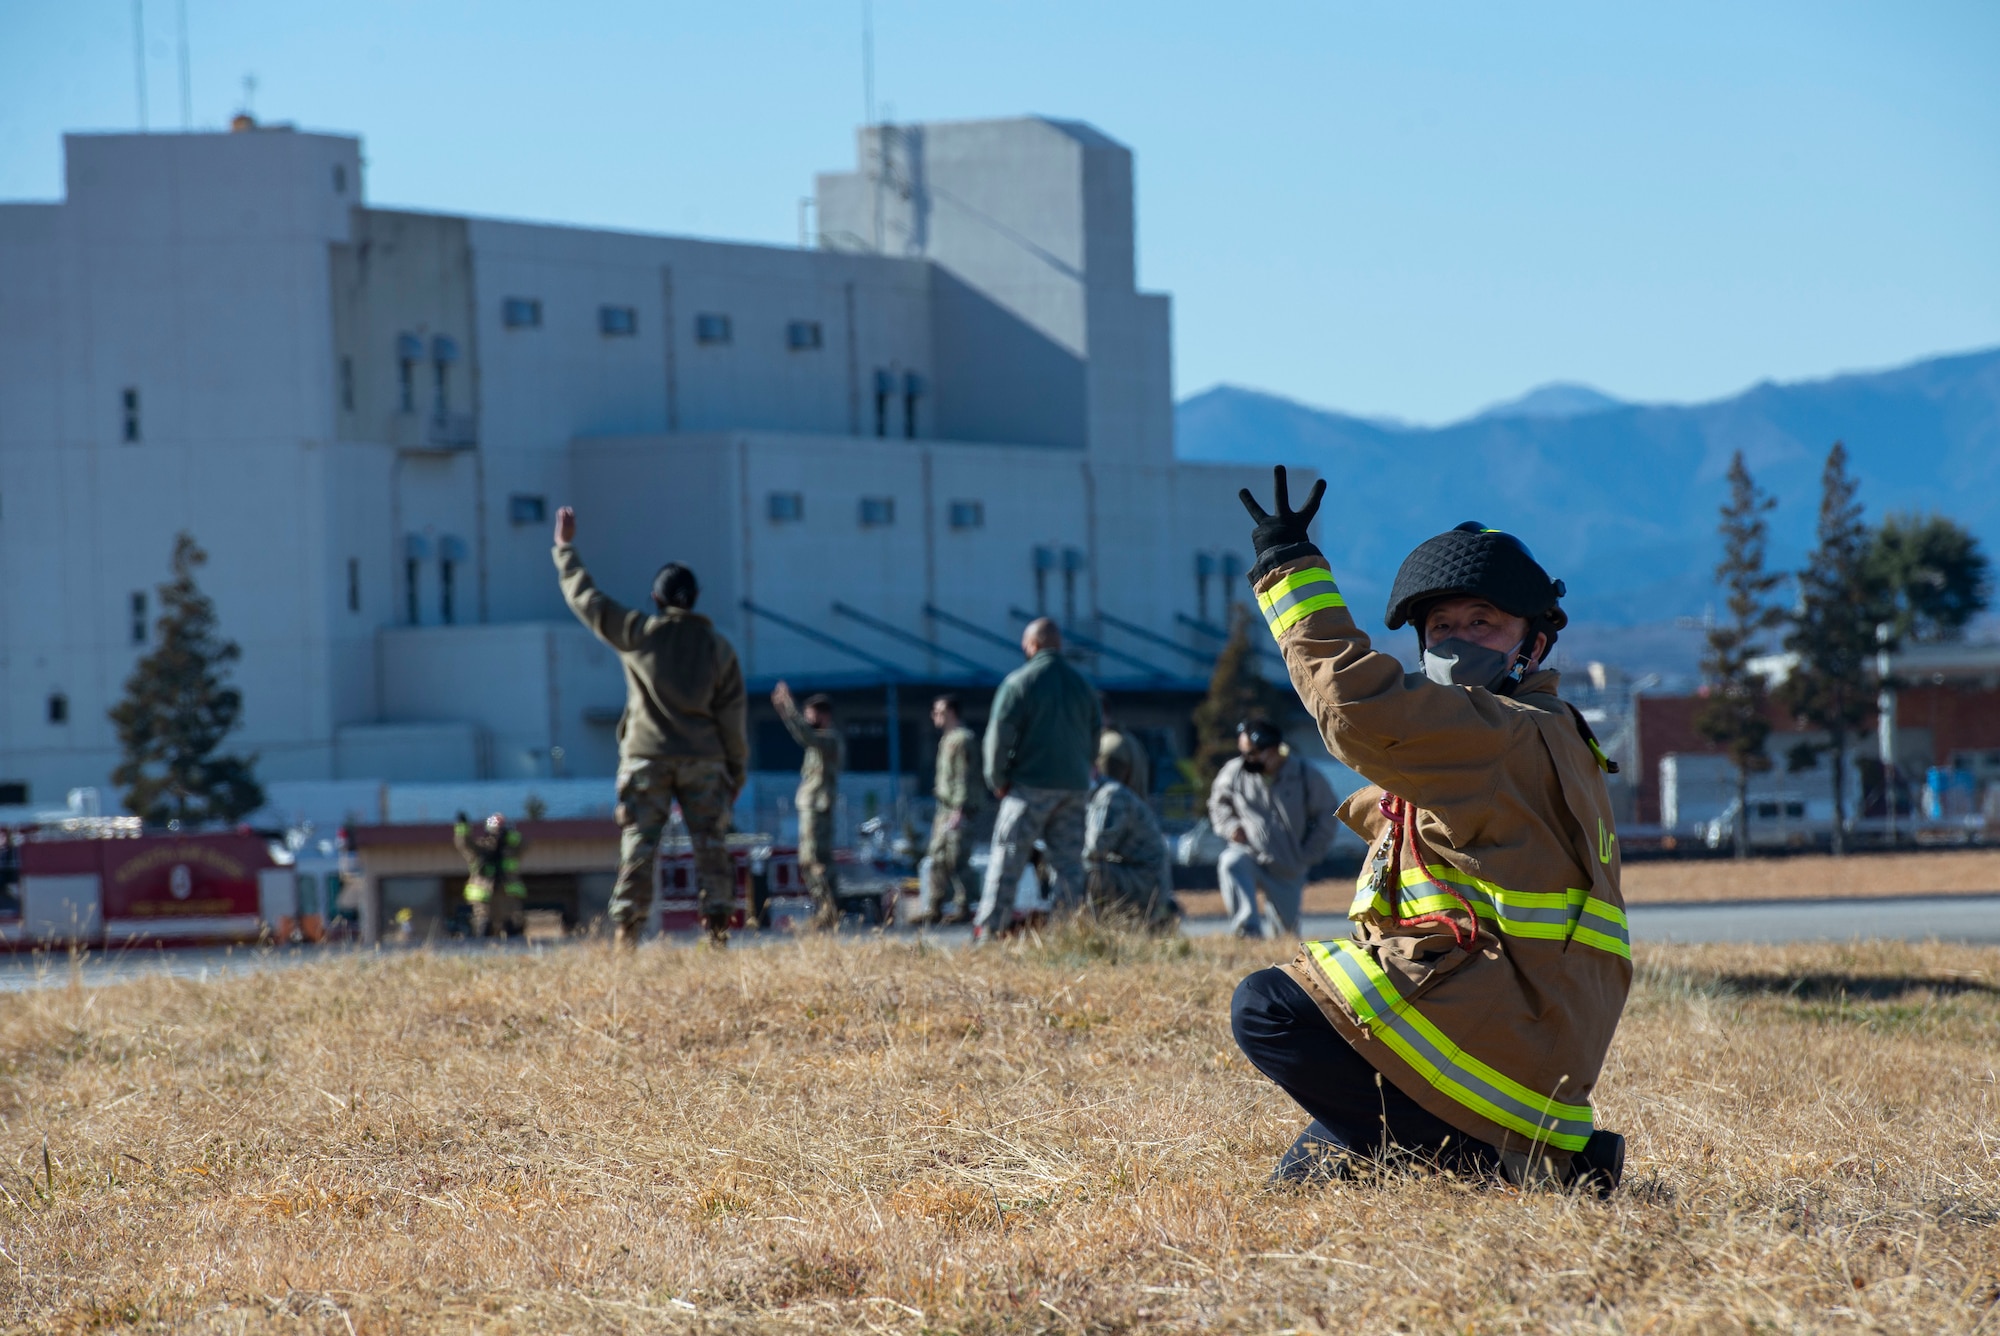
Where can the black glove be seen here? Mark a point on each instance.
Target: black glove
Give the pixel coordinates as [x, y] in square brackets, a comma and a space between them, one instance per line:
[1281, 537]
[462, 818]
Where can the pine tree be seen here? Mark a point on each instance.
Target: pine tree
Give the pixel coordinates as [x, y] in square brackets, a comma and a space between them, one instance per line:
[1931, 573]
[1734, 715]
[1833, 631]
[178, 708]
[1236, 692]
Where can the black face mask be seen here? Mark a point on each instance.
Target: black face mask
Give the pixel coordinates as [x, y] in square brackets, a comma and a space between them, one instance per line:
[1254, 764]
[1455, 662]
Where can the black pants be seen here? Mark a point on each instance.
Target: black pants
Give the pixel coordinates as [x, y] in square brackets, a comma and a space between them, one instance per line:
[1289, 1039]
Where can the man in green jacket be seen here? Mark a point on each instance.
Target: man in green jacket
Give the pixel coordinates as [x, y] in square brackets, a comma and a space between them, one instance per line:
[1041, 742]
[681, 739]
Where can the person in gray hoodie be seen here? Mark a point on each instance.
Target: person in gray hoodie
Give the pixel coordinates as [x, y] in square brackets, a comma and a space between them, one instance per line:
[1278, 814]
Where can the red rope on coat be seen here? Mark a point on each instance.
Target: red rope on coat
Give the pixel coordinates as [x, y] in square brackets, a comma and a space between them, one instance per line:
[1402, 818]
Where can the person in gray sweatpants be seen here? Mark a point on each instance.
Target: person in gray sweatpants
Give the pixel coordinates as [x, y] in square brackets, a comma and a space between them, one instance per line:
[1278, 814]
[1041, 742]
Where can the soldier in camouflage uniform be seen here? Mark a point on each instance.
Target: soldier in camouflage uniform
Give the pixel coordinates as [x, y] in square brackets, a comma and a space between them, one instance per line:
[819, 785]
[950, 896]
[493, 887]
[1125, 743]
[681, 738]
[1124, 854]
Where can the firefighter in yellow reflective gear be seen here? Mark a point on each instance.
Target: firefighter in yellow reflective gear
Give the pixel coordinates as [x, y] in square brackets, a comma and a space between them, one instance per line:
[493, 887]
[1467, 1016]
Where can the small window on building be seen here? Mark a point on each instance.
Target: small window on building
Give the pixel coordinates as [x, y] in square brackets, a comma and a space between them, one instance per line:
[447, 590]
[525, 509]
[129, 402]
[58, 708]
[340, 178]
[347, 384]
[139, 618]
[885, 387]
[413, 574]
[617, 322]
[13, 793]
[521, 312]
[409, 351]
[354, 584]
[913, 390]
[444, 352]
[968, 514]
[877, 511]
[786, 507]
[711, 327]
[803, 336]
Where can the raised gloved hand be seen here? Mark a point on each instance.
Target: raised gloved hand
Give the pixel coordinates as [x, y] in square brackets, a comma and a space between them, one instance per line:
[1281, 537]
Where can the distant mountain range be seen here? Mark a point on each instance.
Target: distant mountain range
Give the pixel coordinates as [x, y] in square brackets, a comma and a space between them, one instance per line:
[1620, 499]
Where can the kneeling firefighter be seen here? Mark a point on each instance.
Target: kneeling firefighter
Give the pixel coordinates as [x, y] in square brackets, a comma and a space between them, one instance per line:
[1468, 1015]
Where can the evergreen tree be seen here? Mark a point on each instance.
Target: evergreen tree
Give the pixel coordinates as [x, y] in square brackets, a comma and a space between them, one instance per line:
[1733, 714]
[1833, 630]
[1932, 575]
[178, 708]
[1236, 692]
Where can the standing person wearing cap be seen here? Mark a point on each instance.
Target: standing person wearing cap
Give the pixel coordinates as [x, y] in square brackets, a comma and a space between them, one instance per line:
[960, 794]
[1489, 959]
[1279, 815]
[681, 738]
[494, 890]
[819, 785]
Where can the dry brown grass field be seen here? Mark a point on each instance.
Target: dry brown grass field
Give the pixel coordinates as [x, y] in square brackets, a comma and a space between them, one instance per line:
[881, 1136]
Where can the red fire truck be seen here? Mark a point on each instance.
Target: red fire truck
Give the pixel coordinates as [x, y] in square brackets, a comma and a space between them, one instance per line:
[105, 883]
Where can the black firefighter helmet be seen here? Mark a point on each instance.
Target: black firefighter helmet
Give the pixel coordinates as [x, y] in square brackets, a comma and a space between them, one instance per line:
[1473, 561]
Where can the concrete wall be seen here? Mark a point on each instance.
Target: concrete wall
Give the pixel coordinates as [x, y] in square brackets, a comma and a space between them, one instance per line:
[241, 287]
[192, 271]
[1035, 219]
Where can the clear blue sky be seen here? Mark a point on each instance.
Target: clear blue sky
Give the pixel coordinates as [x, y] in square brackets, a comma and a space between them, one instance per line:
[1398, 208]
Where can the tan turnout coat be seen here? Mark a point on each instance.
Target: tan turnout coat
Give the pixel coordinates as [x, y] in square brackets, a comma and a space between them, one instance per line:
[1505, 1041]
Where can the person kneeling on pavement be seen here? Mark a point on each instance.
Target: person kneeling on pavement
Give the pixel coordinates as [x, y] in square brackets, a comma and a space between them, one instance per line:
[1126, 874]
[1277, 812]
[1467, 1017]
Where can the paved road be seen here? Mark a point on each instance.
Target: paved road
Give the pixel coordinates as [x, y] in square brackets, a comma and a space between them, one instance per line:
[1958, 918]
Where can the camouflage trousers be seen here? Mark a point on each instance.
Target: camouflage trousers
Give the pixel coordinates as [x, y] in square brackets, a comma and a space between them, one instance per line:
[951, 865]
[648, 787]
[1120, 890]
[816, 857]
[1055, 817]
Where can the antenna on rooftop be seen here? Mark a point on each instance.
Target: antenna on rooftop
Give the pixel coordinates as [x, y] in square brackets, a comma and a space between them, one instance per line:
[139, 55]
[868, 60]
[187, 78]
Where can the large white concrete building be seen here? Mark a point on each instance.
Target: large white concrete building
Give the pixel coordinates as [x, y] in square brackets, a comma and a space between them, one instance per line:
[877, 453]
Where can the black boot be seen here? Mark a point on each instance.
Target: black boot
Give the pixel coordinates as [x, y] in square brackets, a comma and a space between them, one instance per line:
[1316, 1157]
[1600, 1165]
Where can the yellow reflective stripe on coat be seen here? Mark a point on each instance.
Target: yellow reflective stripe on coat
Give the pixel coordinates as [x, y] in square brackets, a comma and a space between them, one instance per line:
[1549, 916]
[1299, 594]
[1398, 1023]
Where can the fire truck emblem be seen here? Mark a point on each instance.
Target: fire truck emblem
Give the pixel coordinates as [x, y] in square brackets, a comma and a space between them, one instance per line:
[180, 881]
